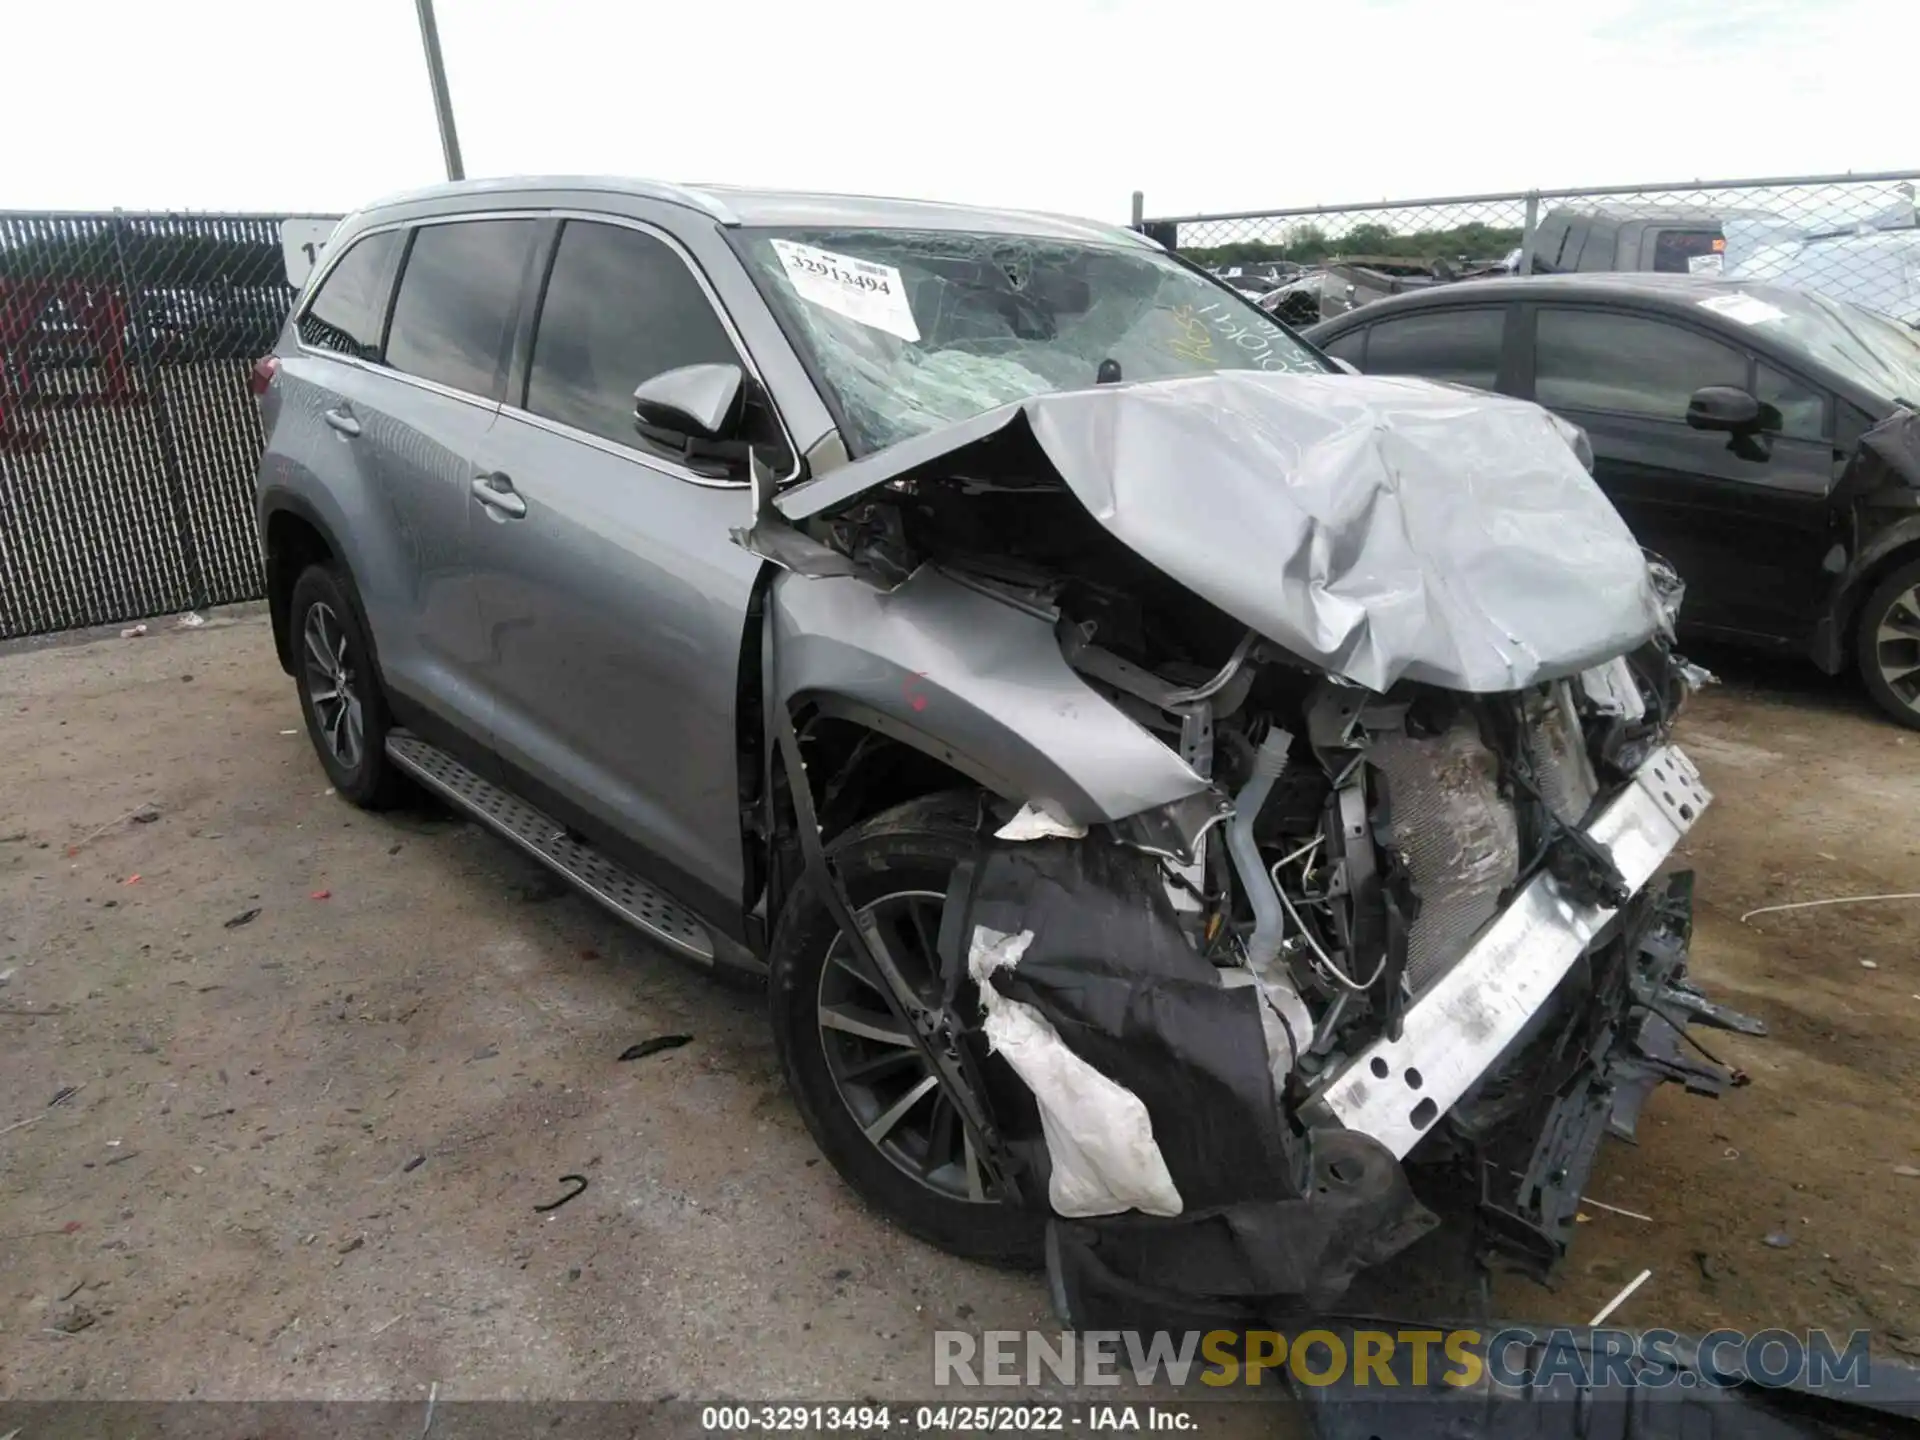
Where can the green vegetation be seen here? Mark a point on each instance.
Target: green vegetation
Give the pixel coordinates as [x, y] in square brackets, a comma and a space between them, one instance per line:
[1309, 244]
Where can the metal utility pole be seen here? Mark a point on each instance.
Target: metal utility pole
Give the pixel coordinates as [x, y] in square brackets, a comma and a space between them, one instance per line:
[442, 101]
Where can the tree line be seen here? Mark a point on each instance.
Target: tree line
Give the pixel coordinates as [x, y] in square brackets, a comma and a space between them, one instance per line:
[1310, 244]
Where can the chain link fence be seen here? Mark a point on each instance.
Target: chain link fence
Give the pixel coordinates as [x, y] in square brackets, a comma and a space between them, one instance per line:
[128, 435]
[1853, 237]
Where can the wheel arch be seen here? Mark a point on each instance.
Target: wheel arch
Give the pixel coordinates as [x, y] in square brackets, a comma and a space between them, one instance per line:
[1836, 634]
[292, 536]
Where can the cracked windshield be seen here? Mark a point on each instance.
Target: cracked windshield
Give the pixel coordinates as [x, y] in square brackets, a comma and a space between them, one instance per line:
[911, 330]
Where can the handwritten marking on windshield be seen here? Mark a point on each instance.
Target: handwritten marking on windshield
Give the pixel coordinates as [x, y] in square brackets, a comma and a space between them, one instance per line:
[1195, 341]
[1253, 338]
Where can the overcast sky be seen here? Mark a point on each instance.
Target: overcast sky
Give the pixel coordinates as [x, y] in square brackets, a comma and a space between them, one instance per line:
[1064, 105]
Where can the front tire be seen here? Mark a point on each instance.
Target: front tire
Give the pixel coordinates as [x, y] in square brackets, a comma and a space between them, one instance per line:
[860, 1084]
[340, 694]
[1889, 644]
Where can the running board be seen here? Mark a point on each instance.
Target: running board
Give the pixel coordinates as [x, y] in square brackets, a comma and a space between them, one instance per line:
[640, 904]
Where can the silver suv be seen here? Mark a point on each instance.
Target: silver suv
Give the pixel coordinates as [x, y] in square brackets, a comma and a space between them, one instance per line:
[1166, 782]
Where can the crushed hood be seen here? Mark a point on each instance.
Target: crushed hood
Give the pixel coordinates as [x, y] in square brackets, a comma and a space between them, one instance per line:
[1379, 527]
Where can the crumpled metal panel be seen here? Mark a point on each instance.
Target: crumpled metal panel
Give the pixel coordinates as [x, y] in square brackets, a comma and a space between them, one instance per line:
[1377, 526]
[1455, 834]
[974, 682]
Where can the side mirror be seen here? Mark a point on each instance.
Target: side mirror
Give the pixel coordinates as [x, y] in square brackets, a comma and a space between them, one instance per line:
[1726, 408]
[679, 409]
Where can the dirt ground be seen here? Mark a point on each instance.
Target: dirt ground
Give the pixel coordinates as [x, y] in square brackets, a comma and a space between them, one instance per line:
[299, 1154]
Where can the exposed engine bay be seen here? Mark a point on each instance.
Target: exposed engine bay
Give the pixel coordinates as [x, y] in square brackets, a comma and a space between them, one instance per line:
[1384, 921]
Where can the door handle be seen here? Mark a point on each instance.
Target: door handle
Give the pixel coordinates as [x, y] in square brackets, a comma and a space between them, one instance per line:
[496, 493]
[341, 420]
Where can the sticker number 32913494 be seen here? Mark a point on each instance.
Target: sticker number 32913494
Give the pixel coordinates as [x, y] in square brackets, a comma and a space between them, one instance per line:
[858, 289]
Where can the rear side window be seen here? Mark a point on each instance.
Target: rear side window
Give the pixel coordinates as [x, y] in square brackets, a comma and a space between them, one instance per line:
[350, 305]
[620, 308]
[1462, 346]
[1592, 360]
[456, 302]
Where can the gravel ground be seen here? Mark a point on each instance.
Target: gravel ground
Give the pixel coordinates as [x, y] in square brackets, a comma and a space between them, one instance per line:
[321, 1066]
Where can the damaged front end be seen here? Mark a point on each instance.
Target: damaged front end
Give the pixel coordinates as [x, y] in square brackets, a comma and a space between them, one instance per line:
[1328, 723]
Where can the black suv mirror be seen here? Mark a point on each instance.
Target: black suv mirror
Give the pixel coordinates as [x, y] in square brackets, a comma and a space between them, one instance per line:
[1724, 407]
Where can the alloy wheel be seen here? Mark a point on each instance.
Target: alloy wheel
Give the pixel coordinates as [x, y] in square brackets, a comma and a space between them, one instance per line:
[879, 1072]
[332, 685]
[1897, 647]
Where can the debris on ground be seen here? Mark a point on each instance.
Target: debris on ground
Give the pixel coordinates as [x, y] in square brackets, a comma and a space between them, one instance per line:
[414, 1164]
[1835, 900]
[352, 1245]
[133, 632]
[245, 917]
[321, 895]
[654, 1046]
[579, 1183]
[62, 1095]
[75, 1320]
[1625, 1294]
[98, 831]
[1907, 1172]
[145, 815]
[1779, 1240]
[191, 621]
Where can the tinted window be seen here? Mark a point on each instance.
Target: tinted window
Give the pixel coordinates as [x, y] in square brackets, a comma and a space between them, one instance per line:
[1803, 409]
[1458, 345]
[352, 301]
[1349, 347]
[621, 307]
[456, 301]
[1590, 360]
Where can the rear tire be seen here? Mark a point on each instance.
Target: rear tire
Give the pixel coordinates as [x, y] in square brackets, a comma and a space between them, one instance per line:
[1888, 644]
[340, 695]
[917, 1173]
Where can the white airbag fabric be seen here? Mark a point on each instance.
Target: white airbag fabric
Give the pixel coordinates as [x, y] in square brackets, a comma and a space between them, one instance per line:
[1099, 1135]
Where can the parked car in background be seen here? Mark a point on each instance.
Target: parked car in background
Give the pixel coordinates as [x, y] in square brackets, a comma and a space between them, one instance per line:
[867, 594]
[1347, 282]
[1762, 439]
[1676, 241]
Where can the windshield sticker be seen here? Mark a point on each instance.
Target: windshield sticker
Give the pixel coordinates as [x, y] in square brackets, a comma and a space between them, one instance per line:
[1747, 309]
[858, 289]
[1251, 341]
[1713, 264]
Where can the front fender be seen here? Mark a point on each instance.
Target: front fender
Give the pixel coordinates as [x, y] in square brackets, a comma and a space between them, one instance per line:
[973, 681]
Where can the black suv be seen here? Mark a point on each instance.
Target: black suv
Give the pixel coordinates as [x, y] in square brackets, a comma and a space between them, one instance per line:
[1762, 439]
